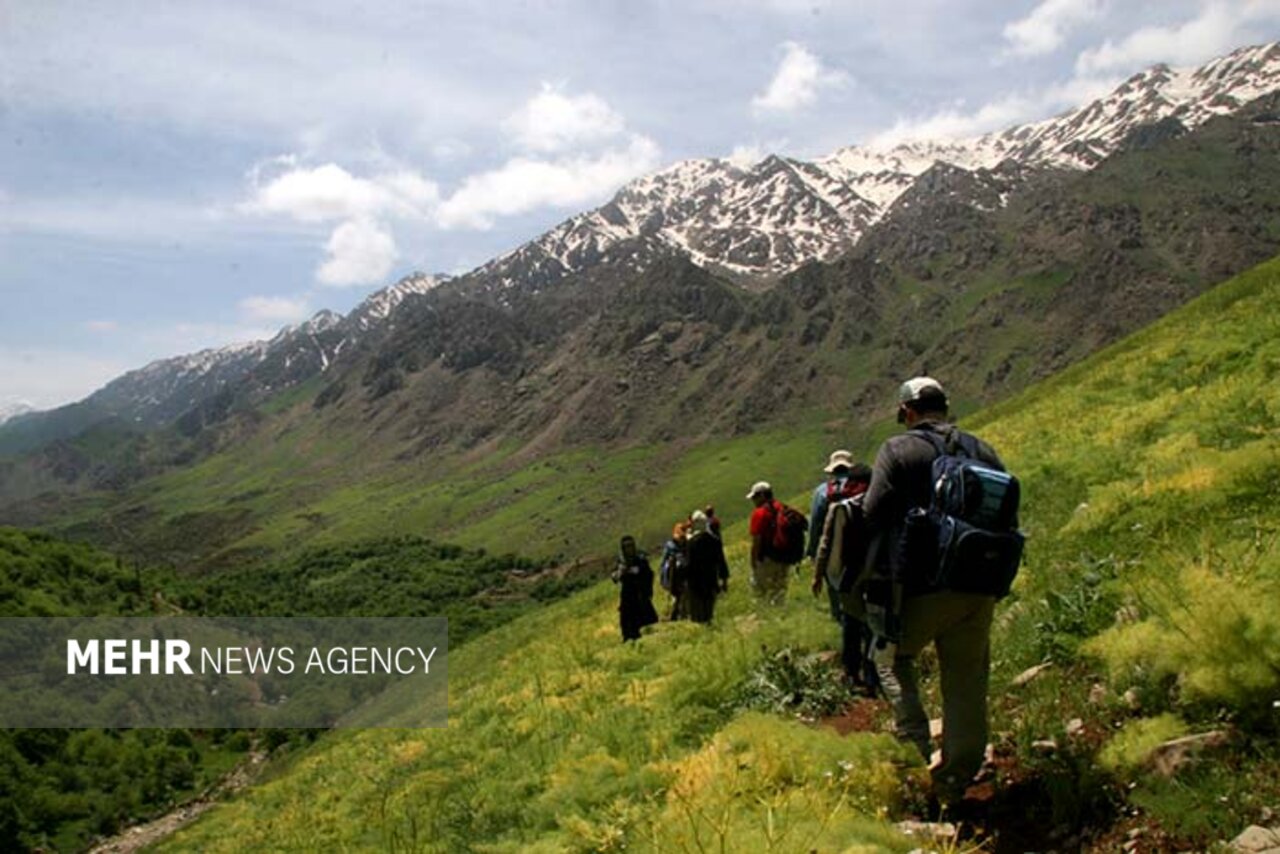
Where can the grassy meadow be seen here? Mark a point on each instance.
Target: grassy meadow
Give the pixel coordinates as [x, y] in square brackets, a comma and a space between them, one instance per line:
[1150, 478]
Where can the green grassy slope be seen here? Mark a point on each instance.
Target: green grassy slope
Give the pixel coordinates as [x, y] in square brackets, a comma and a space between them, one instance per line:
[61, 788]
[565, 503]
[1150, 474]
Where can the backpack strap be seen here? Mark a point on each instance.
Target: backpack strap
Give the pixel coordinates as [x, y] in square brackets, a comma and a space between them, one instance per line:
[951, 442]
[932, 438]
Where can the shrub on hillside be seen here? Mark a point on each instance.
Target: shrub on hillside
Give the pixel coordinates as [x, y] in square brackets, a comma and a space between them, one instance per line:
[1214, 633]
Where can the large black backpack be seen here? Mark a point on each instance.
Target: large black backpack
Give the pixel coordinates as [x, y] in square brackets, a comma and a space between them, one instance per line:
[967, 540]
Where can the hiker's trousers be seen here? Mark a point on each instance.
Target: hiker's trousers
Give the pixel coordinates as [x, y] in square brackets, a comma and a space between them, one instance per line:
[769, 578]
[959, 625]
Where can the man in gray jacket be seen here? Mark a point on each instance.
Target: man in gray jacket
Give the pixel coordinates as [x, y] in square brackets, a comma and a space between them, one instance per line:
[958, 624]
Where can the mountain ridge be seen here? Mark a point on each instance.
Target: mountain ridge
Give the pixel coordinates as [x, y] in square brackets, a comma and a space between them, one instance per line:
[721, 215]
[749, 223]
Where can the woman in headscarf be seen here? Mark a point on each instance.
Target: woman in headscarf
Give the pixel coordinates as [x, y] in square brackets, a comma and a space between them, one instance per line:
[635, 578]
[708, 573]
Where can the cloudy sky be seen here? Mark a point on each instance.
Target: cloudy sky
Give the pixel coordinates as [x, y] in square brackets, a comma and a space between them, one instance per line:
[180, 175]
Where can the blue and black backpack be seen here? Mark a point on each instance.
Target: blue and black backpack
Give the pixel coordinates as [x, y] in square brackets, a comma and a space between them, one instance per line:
[967, 540]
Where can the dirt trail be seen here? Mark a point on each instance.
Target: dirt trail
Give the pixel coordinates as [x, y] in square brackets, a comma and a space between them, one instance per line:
[141, 835]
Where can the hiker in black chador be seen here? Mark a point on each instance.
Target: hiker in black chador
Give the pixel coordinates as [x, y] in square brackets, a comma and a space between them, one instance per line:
[708, 573]
[635, 606]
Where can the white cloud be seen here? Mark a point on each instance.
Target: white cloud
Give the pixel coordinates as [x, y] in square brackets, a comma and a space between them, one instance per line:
[1218, 28]
[745, 156]
[360, 252]
[1047, 26]
[264, 309]
[552, 121]
[573, 157]
[361, 249]
[799, 79]
[329, 192]
[101, 325]
[50, 377]
[524, 184]
[958, 123]
[446, 150]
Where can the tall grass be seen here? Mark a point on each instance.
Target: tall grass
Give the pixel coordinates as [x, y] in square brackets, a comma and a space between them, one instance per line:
[1150, 478]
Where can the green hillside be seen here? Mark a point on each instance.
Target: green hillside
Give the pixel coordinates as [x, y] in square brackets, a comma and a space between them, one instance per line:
[62, 789]
[1150, 474]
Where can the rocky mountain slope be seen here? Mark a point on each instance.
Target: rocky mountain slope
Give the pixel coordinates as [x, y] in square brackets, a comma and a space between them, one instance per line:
[751, 224]
[520, 412]
[992, 277]
[772, 217]
[204, 384]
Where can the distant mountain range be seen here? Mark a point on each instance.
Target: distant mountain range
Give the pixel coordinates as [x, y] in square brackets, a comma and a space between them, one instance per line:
[752, 224]
[780, 213]
[162, 391]
[13, 409]
[710, 301]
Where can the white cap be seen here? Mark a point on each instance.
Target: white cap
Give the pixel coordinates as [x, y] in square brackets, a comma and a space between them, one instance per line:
[919, 388]
[759, 487]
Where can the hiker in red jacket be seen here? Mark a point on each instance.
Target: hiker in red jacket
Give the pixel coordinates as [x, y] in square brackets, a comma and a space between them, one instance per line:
[769, 575]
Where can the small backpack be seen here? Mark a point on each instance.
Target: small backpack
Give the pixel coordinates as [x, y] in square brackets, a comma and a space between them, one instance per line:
[854, 540]
[675, 560]
[967, 540]
[789, 529]
[840, 490]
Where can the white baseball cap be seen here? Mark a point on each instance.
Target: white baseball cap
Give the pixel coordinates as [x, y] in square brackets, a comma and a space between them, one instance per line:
[921, 388]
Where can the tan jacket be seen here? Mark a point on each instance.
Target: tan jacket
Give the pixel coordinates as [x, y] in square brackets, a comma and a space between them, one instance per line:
[829, 560]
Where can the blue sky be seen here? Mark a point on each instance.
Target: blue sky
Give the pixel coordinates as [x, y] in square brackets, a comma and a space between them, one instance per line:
[181, 175]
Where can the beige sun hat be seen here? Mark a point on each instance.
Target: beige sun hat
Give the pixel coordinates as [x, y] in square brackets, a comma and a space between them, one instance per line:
[759, 487]
[839, 459]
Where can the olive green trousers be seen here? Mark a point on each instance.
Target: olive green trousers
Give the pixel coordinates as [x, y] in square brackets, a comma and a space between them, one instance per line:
[769, 578]
[959, 626]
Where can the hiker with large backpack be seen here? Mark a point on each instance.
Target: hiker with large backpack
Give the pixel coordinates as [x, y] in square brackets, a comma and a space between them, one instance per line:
[708, 571]
[942, 517]
[838, 547]
[635, 580]
[837, 486]
[777, 543]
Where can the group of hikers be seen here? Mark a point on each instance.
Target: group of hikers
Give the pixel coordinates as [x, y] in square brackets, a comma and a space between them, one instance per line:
[693, 570]
[913, 550]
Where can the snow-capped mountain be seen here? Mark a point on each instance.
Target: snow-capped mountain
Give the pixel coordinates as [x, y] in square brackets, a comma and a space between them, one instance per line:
[167, 388]
[771, 217]
[753, 222]
[14, 408]
[378, 306]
